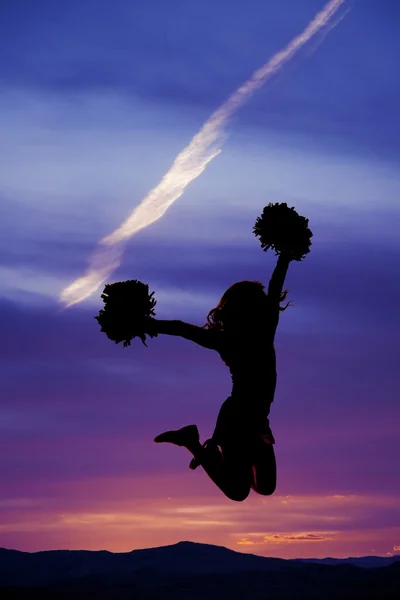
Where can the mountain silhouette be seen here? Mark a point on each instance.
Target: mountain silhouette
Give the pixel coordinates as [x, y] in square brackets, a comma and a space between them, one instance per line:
[192, 570]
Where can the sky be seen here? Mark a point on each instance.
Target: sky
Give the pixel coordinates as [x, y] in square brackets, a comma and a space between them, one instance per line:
[96, 100]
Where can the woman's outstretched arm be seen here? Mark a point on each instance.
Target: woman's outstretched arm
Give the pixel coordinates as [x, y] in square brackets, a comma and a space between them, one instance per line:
[208, 338]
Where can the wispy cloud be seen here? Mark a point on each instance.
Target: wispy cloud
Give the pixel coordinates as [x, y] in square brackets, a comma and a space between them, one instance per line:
[286, 538]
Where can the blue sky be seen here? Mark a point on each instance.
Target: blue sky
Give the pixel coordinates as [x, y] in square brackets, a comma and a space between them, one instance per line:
[96, 100]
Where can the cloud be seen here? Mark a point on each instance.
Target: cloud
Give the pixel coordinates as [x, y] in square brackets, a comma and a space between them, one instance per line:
[280, 538]
[259, 538]
[285, 538]
[132, 63]
[396, 548]
[201, 246]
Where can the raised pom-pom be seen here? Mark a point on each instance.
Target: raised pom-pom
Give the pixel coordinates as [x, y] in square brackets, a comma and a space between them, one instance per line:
[128, 307]
[284, 230]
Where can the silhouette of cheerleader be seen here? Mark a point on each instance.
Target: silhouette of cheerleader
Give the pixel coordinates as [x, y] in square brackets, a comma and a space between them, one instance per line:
[241, 328]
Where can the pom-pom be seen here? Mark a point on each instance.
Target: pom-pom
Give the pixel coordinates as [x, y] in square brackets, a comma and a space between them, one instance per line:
[284, 230]
[128, 307]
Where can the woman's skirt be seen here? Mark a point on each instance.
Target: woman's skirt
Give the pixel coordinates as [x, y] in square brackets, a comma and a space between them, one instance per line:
[239, 422]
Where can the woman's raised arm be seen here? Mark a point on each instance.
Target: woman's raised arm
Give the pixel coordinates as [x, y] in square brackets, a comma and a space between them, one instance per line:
[275, 289]
[275, 286]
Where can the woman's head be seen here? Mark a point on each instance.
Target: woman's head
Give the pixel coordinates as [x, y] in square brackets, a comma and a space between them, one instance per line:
[243, 304]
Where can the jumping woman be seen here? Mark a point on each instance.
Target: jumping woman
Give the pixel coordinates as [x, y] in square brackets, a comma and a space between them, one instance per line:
[241, 328]
[240, 455]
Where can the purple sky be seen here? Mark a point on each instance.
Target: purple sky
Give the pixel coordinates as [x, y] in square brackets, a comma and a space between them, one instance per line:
[95, 103]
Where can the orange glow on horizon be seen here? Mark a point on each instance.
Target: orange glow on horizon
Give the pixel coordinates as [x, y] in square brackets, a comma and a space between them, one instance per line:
[278, 526]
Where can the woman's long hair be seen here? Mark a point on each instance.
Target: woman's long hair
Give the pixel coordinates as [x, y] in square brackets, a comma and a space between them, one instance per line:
[243, 303]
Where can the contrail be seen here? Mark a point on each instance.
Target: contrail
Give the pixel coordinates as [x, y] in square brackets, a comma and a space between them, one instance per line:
[188, 165]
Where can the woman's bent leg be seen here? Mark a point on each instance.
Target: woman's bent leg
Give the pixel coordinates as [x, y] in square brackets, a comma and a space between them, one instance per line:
[227, 460]
[264, 467]
[229, 468]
